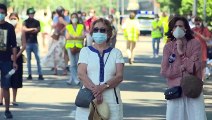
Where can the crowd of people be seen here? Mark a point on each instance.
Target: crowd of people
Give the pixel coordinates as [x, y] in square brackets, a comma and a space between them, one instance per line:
[67, 35]
[78, 41]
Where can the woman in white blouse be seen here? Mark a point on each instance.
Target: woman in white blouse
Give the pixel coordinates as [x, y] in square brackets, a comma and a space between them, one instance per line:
[100, 69]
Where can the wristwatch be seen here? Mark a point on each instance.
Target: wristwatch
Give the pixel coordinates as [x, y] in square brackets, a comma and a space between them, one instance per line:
[107, 85]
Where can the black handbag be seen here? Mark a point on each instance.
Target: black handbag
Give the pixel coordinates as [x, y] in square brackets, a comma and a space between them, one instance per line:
[173, 93]
[84, 97]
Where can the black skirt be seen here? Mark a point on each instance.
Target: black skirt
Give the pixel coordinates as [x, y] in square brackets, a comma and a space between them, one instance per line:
[17, 78]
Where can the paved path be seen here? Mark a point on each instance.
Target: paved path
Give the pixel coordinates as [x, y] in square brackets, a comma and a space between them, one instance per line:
[142, 91]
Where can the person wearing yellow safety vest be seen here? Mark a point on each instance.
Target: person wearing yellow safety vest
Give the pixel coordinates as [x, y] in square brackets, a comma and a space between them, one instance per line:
[131, 34]
[164, 19]
[74, 42]
[156, 34]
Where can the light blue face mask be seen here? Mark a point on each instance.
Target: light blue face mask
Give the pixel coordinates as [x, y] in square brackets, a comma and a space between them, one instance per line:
[99, 38]
[2, 16]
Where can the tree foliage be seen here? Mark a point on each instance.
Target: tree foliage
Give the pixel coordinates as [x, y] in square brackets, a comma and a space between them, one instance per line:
[184, 7]
[171, 6]
[101, 6]
[187, 6]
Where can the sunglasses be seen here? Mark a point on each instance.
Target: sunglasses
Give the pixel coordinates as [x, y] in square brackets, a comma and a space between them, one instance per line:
[13, 19]
[101, 30]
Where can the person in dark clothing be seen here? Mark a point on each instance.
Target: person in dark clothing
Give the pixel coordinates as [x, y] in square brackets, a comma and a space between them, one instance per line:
[79, 14]
[114, 32]
[17, 77]
[7, 48]
[31, 28]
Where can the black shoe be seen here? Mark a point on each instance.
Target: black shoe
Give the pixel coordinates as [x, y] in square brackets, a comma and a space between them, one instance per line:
[67, 68]
[40, 77]
[29, 77]
[130, 61]
[14, 104]
[8, 115]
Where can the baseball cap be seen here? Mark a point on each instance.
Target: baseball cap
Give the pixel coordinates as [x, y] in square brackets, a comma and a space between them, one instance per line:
[30, 11]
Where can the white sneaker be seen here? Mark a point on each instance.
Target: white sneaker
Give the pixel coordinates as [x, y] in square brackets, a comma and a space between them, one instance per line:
[153, 56]
[77, 82]
[68, 82]
[156, 56]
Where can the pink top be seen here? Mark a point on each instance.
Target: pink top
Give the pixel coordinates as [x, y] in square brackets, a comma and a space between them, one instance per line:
[173, 71]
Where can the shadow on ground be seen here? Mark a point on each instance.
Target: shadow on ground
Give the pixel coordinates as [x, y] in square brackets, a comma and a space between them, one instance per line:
[29, 111]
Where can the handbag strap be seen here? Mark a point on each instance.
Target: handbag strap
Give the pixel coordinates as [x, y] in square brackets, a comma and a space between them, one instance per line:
[107, 58]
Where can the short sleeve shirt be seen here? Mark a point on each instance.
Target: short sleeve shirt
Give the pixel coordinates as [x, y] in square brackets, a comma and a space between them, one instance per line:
[31, 37]
[7, 41]
[100, 69]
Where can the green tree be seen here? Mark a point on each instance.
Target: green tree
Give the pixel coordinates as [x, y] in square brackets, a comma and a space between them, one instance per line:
[71, 5]
[170, 5]
[4, 2]
[187, 6]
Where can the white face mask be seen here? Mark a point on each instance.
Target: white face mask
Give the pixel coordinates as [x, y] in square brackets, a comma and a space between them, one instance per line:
[74, 20]
[178, 33]
[14, 22]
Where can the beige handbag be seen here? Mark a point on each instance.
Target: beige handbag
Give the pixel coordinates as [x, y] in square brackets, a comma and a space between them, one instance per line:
[99, 111]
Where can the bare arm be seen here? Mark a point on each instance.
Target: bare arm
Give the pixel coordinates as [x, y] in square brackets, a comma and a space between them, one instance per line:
[82, 37]
[113, 82]
[25, 29]
[82, 74]
[62, 21]
[23, 42]
[205, 38]
[70, 37]
[118, 78]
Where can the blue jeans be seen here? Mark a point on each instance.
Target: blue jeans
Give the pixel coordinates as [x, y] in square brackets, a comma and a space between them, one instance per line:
[73, 65]
[33, 47]
[5, 67]
[155, 47]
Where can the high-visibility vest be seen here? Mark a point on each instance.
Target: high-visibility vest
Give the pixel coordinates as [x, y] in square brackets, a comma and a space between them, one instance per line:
[131, 30]
[165, 24]
[156, 33]
[79, 32]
